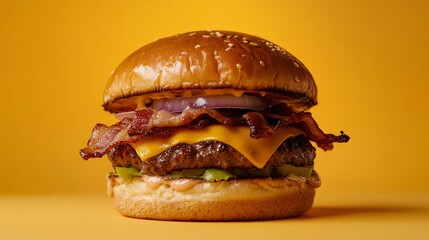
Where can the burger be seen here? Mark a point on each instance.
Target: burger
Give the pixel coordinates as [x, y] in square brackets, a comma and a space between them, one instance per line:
[212, 126]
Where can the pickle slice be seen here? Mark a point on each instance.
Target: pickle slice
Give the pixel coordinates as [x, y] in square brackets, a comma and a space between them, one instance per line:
[285, 170]
[127, 173]
[213, 174]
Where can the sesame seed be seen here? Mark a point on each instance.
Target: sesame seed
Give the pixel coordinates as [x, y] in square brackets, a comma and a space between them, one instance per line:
[227, 84]
[227, 49]
[239, 66]
[245, 41]
[297, 80]
[197, 46]
[229, 36]
[227, 40]
[196, 84]
[273, 49]
[217, 57]
[231, 44]
[296, 64]
[244, 38]
[215, 52]
[243, 55]
[218, 34]
[192, 34]
[236, 36]
[262, 63]
[206, 36]
[254, 44]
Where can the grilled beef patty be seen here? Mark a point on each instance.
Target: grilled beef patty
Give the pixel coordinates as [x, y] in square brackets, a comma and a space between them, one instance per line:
[296, 151]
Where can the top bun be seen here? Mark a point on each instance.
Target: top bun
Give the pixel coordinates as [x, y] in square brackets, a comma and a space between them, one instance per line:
[225, 62]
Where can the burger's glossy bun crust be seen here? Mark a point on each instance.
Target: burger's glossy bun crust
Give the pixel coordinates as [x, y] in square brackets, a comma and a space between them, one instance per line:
[196, 61]
[246, 199]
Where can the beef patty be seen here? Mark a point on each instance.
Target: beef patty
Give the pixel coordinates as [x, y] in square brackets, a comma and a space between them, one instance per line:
[296, 151]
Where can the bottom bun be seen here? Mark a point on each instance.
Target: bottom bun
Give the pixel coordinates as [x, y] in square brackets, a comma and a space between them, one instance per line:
[244, 199]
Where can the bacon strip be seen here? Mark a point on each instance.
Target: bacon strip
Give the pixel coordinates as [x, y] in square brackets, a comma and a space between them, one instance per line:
[259, 127]
[103, 138]
[147, 119]
[305, 122]
[161, 123]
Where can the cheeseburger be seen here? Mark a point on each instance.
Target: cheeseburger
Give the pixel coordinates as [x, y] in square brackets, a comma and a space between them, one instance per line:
[212, 126]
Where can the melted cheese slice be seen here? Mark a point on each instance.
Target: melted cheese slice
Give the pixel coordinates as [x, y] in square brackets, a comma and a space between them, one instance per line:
[257, 151]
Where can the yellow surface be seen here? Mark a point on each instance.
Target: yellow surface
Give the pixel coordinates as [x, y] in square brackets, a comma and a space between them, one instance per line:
[369, 59]
[334, 217]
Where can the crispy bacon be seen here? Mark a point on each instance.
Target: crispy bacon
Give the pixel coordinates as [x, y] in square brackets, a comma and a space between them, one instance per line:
[160, 123]
[305, 122]
[259, 127]
[147, 119]
[103, 138]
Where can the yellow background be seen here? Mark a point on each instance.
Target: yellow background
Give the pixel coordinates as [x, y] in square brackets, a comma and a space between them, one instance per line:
[369, 60]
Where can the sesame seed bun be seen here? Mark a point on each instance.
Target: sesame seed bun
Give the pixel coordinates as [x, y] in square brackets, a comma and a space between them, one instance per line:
[221, 61]
[234, 200]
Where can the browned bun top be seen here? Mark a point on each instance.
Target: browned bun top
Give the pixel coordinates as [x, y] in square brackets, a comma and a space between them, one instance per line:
[227, 62]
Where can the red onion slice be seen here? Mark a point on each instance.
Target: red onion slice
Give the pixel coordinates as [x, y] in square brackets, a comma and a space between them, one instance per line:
[214, 102]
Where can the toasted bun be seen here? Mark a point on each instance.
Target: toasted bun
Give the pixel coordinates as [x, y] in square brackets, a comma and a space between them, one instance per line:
[190, 63]
[247, 199]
